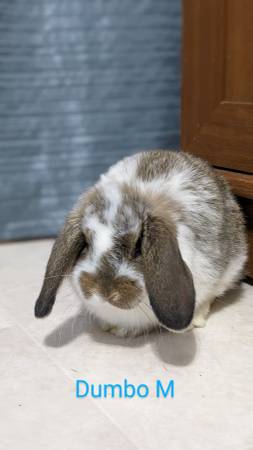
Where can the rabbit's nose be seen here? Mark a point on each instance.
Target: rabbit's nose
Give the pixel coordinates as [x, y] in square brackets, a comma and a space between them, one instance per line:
[114, 297]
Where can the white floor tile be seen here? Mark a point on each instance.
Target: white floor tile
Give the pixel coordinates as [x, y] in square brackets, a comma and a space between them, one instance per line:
[38, 406]
[211, 367]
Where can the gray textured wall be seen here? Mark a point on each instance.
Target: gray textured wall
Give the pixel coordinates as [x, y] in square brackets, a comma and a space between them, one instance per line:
[82, 83]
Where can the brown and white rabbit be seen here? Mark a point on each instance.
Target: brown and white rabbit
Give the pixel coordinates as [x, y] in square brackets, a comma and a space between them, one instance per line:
[155, 241]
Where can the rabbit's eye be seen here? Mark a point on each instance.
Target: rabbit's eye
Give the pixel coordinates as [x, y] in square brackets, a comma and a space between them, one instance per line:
[83, 251]
[138, 245]
[83, 248]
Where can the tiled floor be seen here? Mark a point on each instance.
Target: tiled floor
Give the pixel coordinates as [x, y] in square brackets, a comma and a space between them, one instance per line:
[41, 359]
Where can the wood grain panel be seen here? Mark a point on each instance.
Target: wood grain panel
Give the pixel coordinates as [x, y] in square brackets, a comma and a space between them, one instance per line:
[241, 183]
[242, 186]
[210, 125]
[217, 93]
[239, 45]
[202, 54]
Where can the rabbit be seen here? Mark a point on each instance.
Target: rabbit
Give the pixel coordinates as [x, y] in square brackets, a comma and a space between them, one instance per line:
[153, 243]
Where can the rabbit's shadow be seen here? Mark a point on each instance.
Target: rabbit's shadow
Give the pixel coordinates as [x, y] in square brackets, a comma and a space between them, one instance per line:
[174, 349]
[177, 349]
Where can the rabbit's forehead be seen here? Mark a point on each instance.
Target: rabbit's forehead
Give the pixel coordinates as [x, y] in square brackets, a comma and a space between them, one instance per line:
[101, 233]
[99, 216]
[109, 212]
[107, 224]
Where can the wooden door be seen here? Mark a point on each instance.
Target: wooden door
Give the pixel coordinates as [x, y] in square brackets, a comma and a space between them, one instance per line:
[217, 92]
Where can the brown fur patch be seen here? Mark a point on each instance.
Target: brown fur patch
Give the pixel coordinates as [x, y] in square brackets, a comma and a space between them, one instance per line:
[125, 293]
[156, 163]
[120, 291]
[88, 284]
[150, 203]
[94, 199]
[161, 162]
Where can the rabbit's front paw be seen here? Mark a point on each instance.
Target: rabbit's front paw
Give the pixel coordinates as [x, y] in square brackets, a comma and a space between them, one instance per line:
[119, 332]
[116, 331]
[199, 322]
[201, 315]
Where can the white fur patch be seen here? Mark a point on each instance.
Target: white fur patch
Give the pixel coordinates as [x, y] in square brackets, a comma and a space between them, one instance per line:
[123, 171]
[113, 196]
[140, 317]
[199, 265]
[231, 273]
[102, 235]
[126, 270]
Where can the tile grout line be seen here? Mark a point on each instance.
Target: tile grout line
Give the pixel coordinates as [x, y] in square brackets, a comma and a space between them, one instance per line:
[65, 372]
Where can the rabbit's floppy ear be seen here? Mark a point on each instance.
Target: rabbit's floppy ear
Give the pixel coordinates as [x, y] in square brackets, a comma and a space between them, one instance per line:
[168, 280]
[66, 249]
